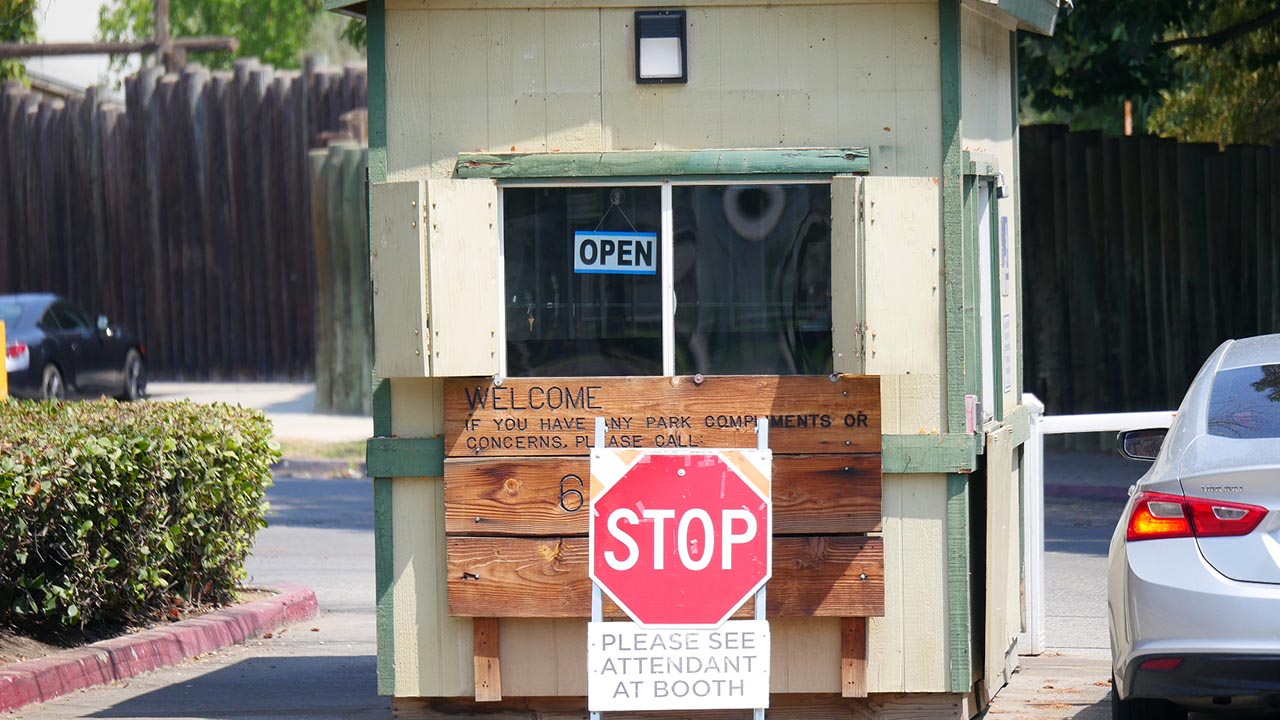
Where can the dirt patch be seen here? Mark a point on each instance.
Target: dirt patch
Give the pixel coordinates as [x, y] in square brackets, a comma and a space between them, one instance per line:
[16, 647]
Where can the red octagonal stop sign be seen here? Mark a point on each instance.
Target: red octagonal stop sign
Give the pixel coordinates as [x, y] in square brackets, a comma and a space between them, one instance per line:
[681, 538]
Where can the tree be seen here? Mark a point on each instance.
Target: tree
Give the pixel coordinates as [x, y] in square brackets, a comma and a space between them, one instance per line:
[1229, 91]
[274, 31]
[17, 24]
[1172, 59]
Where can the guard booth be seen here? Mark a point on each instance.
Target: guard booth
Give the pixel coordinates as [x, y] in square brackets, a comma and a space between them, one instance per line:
[684, 218]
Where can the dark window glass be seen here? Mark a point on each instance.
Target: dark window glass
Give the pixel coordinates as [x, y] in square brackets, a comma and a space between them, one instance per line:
[1245, 403]
[567, 319]
[70, 317]
[753, 279]
[50, 320]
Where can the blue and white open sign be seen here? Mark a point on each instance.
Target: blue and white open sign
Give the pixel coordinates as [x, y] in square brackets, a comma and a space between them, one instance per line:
[615, 253]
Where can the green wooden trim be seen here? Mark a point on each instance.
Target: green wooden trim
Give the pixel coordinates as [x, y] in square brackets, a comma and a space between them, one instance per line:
[970, 292]
[665, 163]
[928, 454]
[952, 213]
[997, 306]
[384, 582]
[1036, 15]
[980, 163]
[640, 180]
[1019, 381]
[959, 604]
[394, 457]
[382, 408]
[377, 62]
[352, 8]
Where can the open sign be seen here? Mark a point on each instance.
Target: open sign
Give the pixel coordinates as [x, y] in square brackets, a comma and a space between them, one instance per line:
[615, 253]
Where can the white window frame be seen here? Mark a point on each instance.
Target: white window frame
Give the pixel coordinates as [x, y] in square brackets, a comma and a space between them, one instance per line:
[666, 242]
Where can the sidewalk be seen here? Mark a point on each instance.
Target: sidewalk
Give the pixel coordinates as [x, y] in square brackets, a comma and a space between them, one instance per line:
[290, 406]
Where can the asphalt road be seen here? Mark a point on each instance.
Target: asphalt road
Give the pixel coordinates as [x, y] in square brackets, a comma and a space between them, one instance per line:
[321, 535]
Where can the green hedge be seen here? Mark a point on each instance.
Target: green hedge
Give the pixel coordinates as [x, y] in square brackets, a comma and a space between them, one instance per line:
[113, 513]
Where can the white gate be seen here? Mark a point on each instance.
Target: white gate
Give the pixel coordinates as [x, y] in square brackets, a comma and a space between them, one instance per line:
[1031, 642]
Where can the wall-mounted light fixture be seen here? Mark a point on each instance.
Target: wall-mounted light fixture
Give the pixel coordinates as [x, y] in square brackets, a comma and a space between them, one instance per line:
[661, 47]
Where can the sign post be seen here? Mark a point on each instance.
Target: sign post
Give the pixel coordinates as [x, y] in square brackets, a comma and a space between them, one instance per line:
[680, 539]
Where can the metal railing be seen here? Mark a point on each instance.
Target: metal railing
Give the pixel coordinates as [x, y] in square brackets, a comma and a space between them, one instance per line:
[1031, 642]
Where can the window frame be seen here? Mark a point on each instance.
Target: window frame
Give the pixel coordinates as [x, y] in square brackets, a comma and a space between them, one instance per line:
[666, 239]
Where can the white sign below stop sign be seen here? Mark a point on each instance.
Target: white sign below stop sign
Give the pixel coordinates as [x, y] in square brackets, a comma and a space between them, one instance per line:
[681, 537]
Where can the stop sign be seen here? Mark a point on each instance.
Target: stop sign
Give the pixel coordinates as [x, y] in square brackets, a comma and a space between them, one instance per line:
[681, 537]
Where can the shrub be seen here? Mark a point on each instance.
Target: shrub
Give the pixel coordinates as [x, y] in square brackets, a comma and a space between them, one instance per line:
[110, 513]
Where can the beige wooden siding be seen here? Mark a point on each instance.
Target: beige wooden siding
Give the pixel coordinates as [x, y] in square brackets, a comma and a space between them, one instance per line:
[901, 241]
[466, 269]
[1004, 561]
[534, 80]
[987, 128]
[398, 262]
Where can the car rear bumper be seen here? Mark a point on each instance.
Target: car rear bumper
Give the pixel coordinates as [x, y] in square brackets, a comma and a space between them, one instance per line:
[1174, 604]
[1208, 676]
[24, 383]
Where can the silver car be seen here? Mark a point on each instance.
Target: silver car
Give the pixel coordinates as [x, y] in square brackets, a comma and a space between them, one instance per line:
[1194, 568]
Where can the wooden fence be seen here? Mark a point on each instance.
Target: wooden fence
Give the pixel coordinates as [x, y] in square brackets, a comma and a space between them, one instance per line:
[1141, 255]
[184, 214]
[344, 300]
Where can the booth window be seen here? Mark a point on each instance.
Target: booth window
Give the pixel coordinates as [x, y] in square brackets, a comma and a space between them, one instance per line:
[749, 274]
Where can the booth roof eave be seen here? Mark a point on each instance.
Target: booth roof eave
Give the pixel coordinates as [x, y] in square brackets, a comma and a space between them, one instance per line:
[353, 8]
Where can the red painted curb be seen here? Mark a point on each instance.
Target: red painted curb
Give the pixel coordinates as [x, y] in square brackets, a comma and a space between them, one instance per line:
[131, 655]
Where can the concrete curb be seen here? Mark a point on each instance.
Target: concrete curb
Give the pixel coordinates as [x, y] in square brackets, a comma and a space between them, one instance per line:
[125, 657]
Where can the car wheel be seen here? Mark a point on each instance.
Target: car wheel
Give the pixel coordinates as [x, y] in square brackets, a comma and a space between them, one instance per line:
[135, 378]
[51, 385]
[1144, 708]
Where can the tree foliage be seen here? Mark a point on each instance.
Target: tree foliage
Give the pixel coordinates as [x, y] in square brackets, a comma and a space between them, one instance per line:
[1228, 93]
[274, 31]
[17, 24]
[1197, 69]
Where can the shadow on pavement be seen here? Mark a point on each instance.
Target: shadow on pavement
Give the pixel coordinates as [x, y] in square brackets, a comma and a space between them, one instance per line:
[340, 504]
[277, 687]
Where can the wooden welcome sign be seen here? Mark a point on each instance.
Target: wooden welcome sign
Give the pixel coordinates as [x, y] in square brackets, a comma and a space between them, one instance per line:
[517, 490]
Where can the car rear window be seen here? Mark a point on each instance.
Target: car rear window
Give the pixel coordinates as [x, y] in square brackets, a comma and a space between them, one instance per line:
[9, 313]
[1245, 403]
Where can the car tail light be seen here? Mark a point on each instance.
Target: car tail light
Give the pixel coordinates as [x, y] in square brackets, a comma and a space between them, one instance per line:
[1163, 664]
[1160, 515]
[16, 350]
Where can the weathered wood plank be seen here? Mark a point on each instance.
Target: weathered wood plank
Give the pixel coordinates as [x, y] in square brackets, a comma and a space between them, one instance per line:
[556, 416]
[769, 161]
[550, 496]
[853, 657]
[526, 577]
[487, 667]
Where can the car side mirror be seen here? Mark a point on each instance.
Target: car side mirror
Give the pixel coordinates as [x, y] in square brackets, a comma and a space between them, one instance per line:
[103, 324]
[1142, 444]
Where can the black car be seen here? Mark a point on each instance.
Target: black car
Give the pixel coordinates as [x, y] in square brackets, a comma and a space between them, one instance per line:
[53, 352]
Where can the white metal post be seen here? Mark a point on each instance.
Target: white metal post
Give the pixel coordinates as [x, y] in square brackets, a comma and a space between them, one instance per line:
[597, 597]
[1031, 642]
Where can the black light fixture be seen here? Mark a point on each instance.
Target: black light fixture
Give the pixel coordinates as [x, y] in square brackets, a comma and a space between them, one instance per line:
[661, 47]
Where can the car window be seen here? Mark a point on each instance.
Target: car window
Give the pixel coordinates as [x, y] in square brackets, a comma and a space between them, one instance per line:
[10, 312]
[70, 317]
[1245, 403]
[50, 321]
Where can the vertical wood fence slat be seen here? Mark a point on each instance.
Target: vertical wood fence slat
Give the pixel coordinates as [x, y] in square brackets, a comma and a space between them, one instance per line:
[184, 213]
[1181, 248]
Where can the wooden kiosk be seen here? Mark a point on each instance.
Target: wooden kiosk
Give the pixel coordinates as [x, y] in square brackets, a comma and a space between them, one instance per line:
[683, 218]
